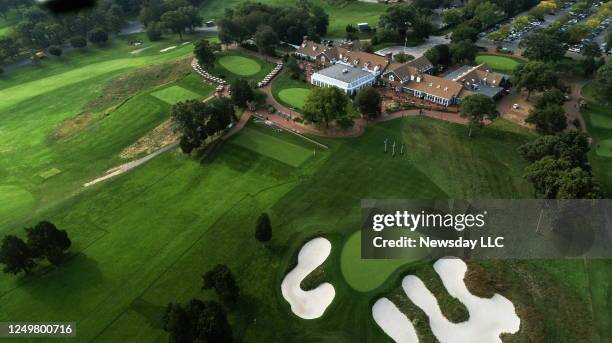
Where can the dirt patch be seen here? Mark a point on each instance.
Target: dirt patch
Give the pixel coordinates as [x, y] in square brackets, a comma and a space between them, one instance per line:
[70, 126]
[163, 135]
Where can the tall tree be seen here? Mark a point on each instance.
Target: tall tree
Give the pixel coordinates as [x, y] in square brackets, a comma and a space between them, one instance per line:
[45, 240]
[534, 76]
[15, 255]
[369, 102]
[548, 119]
[325, 105]
[476, 108]
[204, 53]
[98, 36]
[241, 92]
[222, 280]
[463, 52]
[266, 40]
[543, 45]
[175, 21]
[263, 228]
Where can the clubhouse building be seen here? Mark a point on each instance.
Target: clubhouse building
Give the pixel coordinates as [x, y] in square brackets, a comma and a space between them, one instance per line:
[351, 70]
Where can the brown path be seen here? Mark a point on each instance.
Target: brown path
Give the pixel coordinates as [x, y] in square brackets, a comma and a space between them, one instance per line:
[572, 106]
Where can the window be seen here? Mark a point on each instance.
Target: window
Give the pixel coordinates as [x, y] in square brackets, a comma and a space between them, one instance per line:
[391, 78]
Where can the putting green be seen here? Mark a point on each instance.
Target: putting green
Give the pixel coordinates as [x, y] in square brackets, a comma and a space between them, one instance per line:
[294, 96]
[239, 65]
[175, 94]
[604, 148]
[499, 63]
[273, 147]
[15, 202]
[366, 275]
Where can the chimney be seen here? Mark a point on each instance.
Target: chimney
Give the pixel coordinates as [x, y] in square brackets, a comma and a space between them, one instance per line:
[389, 57]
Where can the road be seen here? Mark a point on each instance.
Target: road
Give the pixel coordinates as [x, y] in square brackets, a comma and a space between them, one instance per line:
[416, 51]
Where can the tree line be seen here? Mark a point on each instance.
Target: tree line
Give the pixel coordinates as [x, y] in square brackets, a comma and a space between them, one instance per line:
[269, 25]
[43, 241]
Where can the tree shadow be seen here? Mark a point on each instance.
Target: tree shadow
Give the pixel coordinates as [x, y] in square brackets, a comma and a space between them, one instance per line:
[152, 312]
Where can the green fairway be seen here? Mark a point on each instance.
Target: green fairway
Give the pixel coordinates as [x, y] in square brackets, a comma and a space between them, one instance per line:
[502, 64]
[294, 96]
[266, 144]
[240, 65]
[366, 275]
[14, 201]
[174, 94]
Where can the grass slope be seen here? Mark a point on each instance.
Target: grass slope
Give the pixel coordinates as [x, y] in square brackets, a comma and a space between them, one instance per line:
[39, 100]
[599, 125]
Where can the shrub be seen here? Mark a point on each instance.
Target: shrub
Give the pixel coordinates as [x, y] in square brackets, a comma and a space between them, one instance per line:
[78, 42]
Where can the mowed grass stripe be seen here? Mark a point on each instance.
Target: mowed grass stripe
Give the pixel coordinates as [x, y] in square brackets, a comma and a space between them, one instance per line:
[174, 94]
[272, 147]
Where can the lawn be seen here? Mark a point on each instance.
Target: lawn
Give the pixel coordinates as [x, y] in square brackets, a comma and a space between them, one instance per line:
[290, 92]
[174, 94]
[502, 64]
[294, 96]
[266, 144]
[341, 13]
[232, 65]
[366, 275]
[240, 65]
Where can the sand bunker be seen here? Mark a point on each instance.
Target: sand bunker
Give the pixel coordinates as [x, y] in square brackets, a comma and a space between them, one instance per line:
[168, 48]
[488, 317]
[393, 322]
[308, 304]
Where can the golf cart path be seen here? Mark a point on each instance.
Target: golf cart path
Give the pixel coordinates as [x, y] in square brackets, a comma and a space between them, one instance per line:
[130, 165]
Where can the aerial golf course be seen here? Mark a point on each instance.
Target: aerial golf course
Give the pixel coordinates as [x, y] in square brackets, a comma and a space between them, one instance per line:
[144, 238]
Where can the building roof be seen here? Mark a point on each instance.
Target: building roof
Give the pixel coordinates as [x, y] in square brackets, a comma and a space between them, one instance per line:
[481, 74]
[420, 63]
[435, 86]
[312, 49]
[343, 73]
[362, 59]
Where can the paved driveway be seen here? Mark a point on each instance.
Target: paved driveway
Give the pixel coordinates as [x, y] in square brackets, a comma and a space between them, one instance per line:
[416, 51]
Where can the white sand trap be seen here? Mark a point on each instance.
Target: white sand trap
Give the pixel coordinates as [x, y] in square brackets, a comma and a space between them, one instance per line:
[488, 317]
[393, 322]
[137, 51]
[168, 48]
[308, 304]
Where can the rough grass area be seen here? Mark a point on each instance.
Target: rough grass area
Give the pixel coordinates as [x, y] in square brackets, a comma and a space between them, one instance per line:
[14, 201]
[266, 144]
[365, 275]
[502, 64]
[174, 94]
[240, 65]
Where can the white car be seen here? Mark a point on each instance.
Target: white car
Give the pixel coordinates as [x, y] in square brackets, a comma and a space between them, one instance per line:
[516, 106]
